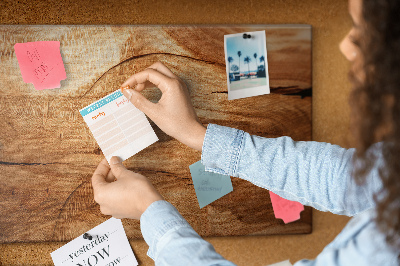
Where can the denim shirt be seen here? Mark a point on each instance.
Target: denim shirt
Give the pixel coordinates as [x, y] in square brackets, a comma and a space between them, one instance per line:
[312, 173]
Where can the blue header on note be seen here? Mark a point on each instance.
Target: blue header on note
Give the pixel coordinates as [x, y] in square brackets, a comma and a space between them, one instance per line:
[101, 103]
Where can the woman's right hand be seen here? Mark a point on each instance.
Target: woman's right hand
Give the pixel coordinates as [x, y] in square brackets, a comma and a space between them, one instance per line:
[174, 113]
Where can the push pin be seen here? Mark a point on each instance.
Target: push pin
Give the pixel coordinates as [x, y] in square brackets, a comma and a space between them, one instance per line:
[88, 236]
[246, 36]
[125, 88]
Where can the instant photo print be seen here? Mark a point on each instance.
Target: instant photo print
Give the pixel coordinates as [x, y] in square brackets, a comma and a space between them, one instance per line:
[246, 64]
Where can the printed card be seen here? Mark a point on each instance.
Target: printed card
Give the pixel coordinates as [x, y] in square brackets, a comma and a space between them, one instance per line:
[118, 126]
[209, 186]
[282, 263]
[108, 246]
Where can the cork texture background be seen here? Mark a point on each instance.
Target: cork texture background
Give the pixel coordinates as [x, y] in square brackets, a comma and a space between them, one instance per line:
[330, 22]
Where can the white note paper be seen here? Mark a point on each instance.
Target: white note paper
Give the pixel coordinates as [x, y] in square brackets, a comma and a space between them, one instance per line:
[282, 263]
[118, 126]
[108, 247]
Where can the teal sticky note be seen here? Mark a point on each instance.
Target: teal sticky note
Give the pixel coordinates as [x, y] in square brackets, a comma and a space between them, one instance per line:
[209, 186]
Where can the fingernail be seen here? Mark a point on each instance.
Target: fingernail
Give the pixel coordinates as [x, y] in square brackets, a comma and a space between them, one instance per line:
[128, 93]
[115, 160]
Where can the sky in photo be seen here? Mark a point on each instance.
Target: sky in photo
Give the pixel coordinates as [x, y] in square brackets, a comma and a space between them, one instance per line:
[248, 47]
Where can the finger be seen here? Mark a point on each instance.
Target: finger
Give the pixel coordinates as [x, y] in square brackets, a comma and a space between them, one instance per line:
[160, 67]
[141, 102]
[142, 86]
[110, 177]
[100, 174]
[117, 167]
[160, 80]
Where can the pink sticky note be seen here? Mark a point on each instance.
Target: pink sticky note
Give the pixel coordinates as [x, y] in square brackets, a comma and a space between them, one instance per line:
[41, 64]
[284, 209]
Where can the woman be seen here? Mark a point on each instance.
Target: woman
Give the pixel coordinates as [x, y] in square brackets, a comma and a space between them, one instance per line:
[360, 182]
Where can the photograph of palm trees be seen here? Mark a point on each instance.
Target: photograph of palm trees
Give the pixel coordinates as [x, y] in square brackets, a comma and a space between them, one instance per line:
[246, 64]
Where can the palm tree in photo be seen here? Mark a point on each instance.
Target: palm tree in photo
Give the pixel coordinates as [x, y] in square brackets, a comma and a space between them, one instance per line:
[247, 60]
[230, 60]
[262, 59]
[263, 70]
[255, 57]
[239, 54]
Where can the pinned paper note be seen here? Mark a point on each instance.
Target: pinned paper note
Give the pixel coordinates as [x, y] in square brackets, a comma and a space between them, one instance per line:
[209, 186]
[246, 64]
[41, 64]
[284, 209]
[118, 126]
[282, 263]
[108, 246]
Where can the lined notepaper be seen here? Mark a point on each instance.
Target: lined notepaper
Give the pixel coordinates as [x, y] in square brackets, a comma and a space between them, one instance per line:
[118, 126]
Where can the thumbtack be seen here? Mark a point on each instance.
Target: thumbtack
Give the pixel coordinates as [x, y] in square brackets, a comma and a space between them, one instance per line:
[125, 88]
[246, 36]
[88, 236]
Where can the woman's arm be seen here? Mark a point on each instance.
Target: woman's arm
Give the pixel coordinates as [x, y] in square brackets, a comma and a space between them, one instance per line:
[312, 173]
[315, 174]
[172, 241]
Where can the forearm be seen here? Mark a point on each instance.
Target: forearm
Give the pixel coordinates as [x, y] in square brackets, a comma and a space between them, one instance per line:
[172, 241]
[312, 173]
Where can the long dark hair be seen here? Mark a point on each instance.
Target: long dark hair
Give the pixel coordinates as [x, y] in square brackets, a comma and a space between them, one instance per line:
[375, 103]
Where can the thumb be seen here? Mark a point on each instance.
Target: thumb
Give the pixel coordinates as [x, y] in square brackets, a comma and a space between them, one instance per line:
[139, 101]
[117, 168]
[100, 174]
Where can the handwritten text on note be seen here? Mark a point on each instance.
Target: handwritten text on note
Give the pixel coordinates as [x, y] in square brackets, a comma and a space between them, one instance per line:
[209, 186]
[41, 64]
[284, 209]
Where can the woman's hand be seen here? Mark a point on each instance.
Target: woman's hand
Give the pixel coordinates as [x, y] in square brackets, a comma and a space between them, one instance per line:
[174, 113]
[120, 192]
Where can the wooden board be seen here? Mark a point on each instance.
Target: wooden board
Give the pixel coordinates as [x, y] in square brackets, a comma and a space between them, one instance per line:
[48, 155]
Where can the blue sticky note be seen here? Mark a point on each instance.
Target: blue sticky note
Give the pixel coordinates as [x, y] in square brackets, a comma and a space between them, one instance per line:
[209, 186]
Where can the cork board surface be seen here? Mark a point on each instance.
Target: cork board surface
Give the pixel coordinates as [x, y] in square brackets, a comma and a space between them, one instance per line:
[330, 23]
[48, 168]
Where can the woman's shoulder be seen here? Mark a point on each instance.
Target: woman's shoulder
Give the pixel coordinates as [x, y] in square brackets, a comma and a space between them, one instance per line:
[362, 240]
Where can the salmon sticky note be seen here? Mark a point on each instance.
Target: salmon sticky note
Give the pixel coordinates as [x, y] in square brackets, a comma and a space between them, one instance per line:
[284, 209]
[41, 64]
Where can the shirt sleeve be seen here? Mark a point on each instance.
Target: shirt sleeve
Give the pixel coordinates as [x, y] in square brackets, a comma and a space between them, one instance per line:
[312, 173]
[172, 241]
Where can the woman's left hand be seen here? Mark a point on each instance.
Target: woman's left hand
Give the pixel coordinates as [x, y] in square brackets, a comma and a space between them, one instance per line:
[120, 192]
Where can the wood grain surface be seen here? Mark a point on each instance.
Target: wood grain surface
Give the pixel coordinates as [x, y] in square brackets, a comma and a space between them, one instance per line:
[48, 155]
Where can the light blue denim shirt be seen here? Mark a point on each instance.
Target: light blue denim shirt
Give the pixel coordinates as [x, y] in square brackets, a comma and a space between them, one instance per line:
[312, 173]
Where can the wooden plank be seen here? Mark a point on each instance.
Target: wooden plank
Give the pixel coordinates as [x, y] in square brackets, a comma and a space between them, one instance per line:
[48, 155]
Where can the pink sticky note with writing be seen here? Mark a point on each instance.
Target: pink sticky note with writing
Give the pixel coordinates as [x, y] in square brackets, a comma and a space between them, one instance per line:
[41, 64]
[284, 209]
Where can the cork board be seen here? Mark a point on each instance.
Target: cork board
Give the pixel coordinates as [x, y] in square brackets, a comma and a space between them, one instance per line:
[47, 154]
